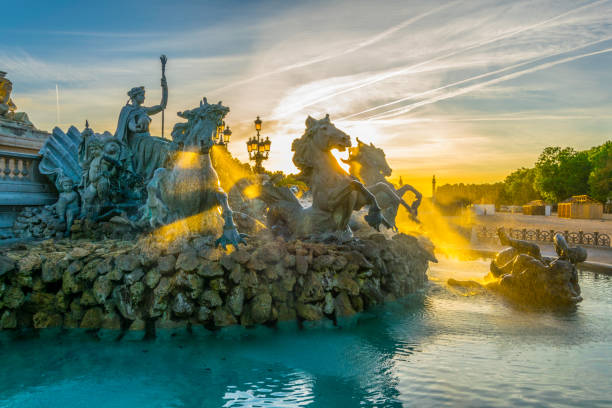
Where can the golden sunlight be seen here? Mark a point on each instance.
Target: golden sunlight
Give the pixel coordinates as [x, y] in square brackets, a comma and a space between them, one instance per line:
[206, 222]
[187, 160]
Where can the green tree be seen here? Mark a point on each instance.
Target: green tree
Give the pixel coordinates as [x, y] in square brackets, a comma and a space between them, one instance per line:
[561, 173]
[600, 179]
[519, 187]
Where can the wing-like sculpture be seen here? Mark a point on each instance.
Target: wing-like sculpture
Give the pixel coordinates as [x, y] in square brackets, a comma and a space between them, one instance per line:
[60, 155]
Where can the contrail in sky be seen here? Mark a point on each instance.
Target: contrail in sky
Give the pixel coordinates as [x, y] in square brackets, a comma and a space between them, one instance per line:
[463, 81]
[462, 91]
[57, 102]
[372, 40]
[515, 117]
[381, 77]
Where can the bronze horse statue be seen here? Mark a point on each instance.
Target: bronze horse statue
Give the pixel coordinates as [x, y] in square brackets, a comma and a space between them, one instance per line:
[369, 164]
[335, 194]
[191, 186]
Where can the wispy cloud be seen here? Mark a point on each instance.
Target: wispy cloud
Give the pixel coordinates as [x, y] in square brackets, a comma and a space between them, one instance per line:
[416, 68]
[470, 79]
[353, 48]
[480, 85]
[431, 82]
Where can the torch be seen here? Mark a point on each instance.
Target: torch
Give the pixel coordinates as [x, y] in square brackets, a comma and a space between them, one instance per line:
[163, 60]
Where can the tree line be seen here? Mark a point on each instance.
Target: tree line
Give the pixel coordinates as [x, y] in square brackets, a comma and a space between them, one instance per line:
[558, 174]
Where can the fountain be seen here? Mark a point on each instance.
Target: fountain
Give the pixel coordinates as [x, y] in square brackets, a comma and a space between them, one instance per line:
[135, 240]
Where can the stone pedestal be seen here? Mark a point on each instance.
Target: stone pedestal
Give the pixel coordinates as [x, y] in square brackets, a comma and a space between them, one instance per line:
[17, 137]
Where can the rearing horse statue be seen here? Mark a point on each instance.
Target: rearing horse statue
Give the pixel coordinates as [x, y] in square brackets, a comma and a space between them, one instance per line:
[191, 187]
[369, 164]
[335, 194]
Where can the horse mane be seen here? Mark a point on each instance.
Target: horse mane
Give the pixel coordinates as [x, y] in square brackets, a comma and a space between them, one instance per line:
[302, 158]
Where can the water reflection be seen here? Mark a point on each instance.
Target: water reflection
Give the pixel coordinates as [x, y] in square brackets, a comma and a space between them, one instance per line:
[295, 391]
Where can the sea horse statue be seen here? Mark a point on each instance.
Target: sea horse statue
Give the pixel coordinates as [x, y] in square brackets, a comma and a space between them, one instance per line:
[191, 186]
[369, 164]
[335, 194]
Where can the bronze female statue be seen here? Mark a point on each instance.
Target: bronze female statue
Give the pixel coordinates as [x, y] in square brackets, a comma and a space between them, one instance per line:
[148, 152]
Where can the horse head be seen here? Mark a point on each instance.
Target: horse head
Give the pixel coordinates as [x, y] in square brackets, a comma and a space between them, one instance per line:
[320, 136]
[369, 157]
[326, 136]
[200, 130]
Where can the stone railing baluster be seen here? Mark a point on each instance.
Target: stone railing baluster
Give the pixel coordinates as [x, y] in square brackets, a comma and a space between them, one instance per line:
[7, 167]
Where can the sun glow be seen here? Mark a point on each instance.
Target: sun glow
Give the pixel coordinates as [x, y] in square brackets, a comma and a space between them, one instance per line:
[229, 170]
[187, 160]
[434, 225]
[207, 222]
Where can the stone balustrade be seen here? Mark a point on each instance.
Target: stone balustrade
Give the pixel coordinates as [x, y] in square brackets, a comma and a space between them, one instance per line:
[593, 239]
[21, 185]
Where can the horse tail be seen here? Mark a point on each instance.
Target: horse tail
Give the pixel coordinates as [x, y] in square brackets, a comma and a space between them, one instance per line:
[407, 187]
[275, 195]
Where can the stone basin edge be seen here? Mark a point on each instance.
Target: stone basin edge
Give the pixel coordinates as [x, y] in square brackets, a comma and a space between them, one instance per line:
[148, 285]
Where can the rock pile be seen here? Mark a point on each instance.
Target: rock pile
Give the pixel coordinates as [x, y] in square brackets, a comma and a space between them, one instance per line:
[38, 222]
[539, 281]
[44, 223]
[118, 284]
[521, 274]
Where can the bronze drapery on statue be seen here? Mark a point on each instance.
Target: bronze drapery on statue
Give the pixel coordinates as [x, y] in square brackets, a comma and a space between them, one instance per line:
[148, 152]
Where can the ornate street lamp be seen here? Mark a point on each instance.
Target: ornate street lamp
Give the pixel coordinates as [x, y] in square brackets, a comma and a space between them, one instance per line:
[227, 134]
[258, 149]
[223, 135]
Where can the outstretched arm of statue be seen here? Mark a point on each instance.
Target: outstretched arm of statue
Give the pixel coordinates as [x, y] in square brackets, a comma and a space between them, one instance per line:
[164, 101]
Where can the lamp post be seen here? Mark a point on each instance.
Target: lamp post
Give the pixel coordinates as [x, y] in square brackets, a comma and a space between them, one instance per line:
[258, 148]
[223, 135]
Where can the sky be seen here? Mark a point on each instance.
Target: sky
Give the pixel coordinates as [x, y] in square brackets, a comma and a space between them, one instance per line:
[466, 90]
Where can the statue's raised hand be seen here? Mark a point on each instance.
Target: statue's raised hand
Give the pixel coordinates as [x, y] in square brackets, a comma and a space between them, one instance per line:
[230, 236]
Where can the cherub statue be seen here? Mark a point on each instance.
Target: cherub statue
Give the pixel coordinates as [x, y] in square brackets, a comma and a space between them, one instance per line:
[67, 206]
[101, 179]
[155, 212]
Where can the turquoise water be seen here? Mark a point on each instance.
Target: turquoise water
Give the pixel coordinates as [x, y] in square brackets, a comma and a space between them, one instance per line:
[436, 348]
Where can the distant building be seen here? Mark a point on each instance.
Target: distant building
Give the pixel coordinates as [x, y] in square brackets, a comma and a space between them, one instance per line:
[581, 206]
[433, 189]
[537, 207]
[514, 209]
